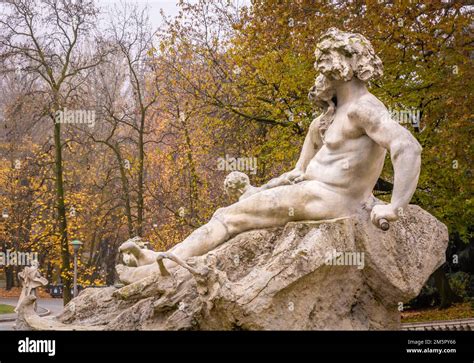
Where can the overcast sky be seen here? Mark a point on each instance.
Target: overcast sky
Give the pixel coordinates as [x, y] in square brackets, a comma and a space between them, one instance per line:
[169, 7]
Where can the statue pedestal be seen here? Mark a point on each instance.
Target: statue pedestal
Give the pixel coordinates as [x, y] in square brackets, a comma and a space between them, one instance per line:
[343, 274]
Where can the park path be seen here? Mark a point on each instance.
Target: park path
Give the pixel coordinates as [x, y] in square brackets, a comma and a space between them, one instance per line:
[55, 306]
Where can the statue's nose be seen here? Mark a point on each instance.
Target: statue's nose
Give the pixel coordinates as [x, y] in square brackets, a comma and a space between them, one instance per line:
[312, 93]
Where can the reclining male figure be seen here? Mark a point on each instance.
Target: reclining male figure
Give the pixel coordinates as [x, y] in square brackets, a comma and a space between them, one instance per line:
[341, 159]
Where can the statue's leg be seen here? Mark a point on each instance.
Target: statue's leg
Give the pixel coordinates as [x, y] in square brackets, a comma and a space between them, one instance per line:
[270, 208]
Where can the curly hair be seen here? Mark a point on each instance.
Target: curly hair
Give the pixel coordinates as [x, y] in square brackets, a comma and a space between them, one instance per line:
[361, 60]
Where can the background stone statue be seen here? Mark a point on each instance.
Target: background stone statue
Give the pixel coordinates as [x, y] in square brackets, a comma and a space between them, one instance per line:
[341, 158]
[30, 280]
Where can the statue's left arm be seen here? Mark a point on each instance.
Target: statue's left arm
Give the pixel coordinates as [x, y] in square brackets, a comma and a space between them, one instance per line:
[405, 151]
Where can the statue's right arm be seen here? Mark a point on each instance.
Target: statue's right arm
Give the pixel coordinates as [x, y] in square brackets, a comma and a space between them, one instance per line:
[312, 143]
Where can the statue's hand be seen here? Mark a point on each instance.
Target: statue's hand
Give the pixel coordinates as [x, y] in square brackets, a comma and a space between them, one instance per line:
[299, 179]
[383, 211]
[294, 176]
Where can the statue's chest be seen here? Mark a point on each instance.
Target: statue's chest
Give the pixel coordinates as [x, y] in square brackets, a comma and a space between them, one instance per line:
[340, 131]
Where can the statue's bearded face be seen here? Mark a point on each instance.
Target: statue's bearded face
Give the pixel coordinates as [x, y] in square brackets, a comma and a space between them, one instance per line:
[323, 90]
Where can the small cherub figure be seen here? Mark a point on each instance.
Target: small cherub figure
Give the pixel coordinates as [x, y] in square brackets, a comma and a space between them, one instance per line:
[237, 184]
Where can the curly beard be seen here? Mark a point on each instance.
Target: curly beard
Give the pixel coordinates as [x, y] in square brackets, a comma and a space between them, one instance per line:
[322, 94]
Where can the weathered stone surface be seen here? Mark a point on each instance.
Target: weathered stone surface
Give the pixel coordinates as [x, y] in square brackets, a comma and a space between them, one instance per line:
[279, 279]
[28, 319]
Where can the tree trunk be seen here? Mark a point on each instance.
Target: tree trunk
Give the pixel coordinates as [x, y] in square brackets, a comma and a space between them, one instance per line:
[65, 256]
[447, 296]
[193, 177]
[9, 278]
[141, 167]
[125, 187]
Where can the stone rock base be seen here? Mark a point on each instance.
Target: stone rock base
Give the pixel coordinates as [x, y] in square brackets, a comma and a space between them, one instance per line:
[282, 278]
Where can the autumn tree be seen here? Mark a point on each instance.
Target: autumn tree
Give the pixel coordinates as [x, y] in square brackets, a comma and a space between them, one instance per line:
[45, 38]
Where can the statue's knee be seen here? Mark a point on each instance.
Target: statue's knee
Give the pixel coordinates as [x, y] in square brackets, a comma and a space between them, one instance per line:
[220, 212]
[228, 219]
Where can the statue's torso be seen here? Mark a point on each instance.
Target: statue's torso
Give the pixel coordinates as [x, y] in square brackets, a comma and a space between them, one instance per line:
[349, 162]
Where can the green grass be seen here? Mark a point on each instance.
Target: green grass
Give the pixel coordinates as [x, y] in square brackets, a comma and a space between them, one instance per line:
[457, 311]
[6, 309]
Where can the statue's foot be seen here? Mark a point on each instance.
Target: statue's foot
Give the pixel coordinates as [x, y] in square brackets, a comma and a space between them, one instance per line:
[177, 261]
[128, 275]
[165, 261]
[159, 259]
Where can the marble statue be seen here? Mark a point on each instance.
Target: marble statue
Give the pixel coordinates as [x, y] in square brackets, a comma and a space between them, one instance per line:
[309, 250]
[30, 279]
[341, 159]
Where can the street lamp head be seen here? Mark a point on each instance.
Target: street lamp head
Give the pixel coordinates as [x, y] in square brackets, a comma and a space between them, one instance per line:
[76, 244]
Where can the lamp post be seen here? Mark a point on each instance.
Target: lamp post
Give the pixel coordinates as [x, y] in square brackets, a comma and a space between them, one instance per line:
[76, 244]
